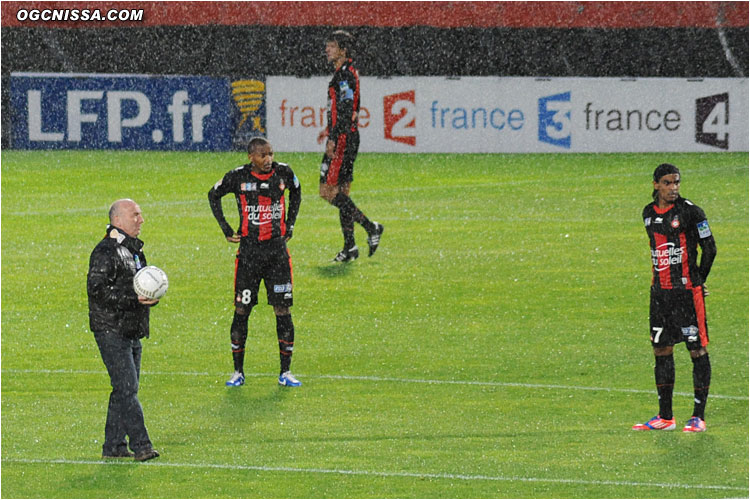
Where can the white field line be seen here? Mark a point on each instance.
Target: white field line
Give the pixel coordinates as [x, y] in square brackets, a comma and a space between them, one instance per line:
[366, 378]
[345, 472]
[200, 201]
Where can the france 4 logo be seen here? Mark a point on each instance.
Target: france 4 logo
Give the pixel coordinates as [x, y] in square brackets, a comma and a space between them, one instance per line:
[554, 119]
[712, 120]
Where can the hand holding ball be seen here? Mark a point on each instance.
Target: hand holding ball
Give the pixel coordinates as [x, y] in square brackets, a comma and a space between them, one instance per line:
[151, 282]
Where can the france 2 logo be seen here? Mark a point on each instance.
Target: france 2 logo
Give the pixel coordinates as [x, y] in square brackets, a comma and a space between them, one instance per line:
[554, 119]
[712, 120]
[399, 117]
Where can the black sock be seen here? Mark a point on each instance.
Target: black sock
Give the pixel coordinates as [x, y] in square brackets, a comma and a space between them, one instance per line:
[285, 334]
[238, 335]
[343, 202]
[701, 383]
[664, 375]
[347, 227]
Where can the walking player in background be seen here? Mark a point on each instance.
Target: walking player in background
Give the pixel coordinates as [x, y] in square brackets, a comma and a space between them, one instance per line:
[119, 318]
[341, 137]
[676, 227]
[265, 227]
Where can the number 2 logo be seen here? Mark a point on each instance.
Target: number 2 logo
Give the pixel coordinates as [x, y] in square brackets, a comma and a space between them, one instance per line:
[399, 117]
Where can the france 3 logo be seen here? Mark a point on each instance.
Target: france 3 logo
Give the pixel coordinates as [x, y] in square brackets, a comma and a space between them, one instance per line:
[555, 120]
[712, 120]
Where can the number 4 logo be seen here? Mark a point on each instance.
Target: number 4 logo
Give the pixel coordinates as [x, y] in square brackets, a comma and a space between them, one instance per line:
[712, 120]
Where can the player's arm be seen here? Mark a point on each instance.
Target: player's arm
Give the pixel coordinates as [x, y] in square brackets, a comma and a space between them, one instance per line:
[344, 107]
[708, 254]
[706, 242]
[295, 199]
[215, 194]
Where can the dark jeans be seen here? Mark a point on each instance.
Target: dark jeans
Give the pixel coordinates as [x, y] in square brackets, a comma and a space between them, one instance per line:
[122, 357]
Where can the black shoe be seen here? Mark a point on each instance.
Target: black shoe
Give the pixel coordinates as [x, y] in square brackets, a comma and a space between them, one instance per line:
[144, 455]
[373, 239]
[118, 454]
[347, 255]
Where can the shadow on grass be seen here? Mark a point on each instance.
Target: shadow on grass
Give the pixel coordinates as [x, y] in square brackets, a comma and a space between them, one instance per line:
[334, 270]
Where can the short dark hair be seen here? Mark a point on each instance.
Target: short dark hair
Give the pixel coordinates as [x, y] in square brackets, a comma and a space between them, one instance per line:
[345, 41]
[255, 143]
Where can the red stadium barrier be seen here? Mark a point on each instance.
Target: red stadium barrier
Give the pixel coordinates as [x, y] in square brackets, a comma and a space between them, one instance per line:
[380, 14]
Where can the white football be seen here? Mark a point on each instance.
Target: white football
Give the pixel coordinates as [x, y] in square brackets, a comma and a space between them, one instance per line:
[151, 282]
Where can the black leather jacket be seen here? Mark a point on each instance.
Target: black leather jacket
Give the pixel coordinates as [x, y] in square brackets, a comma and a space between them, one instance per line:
[113, 304]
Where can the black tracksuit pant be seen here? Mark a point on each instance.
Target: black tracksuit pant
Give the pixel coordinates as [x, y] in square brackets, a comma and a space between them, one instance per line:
[122, 357]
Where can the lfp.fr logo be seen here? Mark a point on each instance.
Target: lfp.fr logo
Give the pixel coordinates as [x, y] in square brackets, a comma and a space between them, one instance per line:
[712, 120]
[399, 117]
[554, 119]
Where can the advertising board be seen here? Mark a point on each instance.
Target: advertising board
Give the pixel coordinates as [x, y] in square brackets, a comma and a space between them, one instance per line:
[520, 115]
[93, 111]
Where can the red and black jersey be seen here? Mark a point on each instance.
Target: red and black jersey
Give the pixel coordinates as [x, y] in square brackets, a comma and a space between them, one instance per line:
[674, 234]
[260, 201]
[343, 101]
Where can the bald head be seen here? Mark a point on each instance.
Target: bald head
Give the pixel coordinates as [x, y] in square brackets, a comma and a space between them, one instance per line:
[125, 214]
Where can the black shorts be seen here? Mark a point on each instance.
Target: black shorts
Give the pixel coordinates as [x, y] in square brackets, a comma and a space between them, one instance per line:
[267, 261]
[340, 169]
[678, 316]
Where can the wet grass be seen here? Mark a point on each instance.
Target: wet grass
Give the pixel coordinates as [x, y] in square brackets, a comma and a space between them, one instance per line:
[496, 345]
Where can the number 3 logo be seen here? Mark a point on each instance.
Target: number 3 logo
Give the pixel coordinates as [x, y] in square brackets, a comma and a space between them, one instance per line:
[554, 120]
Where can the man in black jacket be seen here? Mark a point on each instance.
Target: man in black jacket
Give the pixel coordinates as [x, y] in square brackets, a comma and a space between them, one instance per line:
[119, 319]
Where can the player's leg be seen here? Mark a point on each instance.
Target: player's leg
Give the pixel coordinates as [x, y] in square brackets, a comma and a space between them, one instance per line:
[664, 376]
[350, 252]
[350, 214]
[330, 168]
[279, 287]
[662, 340]
[696, 340]
[345, 156]
[346, 218]
[246, 285]
[346, 176]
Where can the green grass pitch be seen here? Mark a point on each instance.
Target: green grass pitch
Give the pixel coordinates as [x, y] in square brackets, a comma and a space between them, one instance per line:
[496, 345]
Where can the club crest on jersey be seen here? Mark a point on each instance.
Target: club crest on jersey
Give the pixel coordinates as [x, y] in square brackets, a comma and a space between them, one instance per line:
[675, 222]
[249, 186]
[282, 186]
